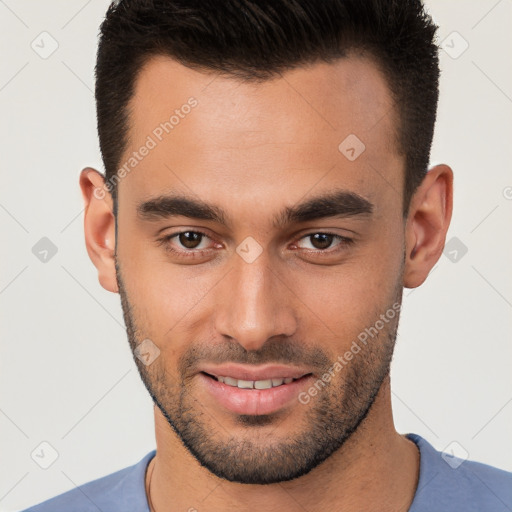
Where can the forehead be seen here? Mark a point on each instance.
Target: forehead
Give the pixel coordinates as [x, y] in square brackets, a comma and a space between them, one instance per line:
[209, 134]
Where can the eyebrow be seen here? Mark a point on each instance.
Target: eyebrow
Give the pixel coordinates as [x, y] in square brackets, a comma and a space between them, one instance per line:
[340, 203]
[169, 206]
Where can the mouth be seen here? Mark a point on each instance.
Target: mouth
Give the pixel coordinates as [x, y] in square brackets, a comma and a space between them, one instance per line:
[273, 382]
[242, 390]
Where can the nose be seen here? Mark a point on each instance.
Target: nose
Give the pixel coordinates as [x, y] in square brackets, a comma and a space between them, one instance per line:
[254, 304]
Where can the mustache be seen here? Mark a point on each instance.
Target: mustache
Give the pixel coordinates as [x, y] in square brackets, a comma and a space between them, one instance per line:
[273, 351]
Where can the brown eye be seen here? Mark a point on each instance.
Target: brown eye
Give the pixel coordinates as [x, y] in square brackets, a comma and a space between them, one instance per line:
[190, 239]
[324, 243]
[321, 240]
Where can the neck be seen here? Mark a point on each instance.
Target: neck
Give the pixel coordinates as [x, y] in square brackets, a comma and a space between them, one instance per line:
[376, 469]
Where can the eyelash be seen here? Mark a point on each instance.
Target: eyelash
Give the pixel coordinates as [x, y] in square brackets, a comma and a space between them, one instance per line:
[192, 253]
[196, 253]
[343, 242]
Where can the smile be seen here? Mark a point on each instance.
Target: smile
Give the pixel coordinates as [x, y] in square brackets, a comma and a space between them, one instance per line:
[253, 396]
[253, 384]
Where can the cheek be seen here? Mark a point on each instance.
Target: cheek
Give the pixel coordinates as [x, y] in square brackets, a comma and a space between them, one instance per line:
[167, 300]
[345, 299]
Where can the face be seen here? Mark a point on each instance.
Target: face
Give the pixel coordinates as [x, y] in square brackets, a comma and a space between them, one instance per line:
[257, 243]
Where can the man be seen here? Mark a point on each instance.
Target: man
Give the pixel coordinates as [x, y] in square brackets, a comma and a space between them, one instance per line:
[265, 202]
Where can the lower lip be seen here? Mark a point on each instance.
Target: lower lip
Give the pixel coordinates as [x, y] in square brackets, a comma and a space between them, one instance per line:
[254, 401]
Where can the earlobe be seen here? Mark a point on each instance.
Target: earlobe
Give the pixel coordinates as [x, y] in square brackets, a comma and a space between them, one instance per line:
[99, 227]
[427, 224]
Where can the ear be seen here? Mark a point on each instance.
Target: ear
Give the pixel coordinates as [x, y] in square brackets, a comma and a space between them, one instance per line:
[99, 227]
[428, 220]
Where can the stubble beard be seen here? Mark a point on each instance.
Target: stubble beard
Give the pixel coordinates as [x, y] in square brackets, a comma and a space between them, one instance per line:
[263, 454]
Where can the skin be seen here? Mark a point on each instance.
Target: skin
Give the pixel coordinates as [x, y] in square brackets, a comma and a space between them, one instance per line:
[252, 150]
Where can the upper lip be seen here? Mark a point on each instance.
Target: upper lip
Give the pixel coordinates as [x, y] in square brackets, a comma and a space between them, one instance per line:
[248, 372]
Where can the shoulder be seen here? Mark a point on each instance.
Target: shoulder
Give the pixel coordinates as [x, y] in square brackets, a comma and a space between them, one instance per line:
[450, 483]
[119, 491]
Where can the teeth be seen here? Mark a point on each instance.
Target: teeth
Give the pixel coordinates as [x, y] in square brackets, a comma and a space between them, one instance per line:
[254, 384]
[263, 384]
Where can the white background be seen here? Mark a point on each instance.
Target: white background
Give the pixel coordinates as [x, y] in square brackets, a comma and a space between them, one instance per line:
[66, 374]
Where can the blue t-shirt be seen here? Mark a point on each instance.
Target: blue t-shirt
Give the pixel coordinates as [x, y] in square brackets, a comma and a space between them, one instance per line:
[446, 484]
